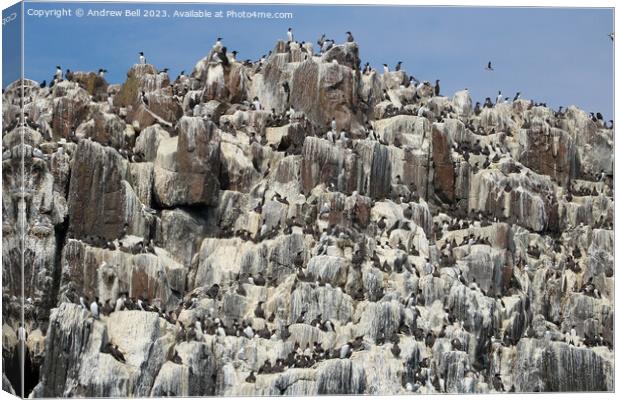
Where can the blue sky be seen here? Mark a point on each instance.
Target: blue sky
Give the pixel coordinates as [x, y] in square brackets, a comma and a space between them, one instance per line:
[11, 50]
[558, 56]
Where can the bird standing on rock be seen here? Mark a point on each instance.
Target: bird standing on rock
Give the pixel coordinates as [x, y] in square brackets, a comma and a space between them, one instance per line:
[218, 44]
[116, 353]
[349, 37]
[289, 34]
[345, 350]
[381, 224]
[395, 350]
[144, 99]
[141, 58]
[258, 311]
[437, 89]
[498, 385]
[94, 308]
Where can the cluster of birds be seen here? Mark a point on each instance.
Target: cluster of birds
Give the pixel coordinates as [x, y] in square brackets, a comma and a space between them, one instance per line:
[458, 220]
[68, 75]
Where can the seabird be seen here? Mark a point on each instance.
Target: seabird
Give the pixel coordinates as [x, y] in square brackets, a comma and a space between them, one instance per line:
[220, 331]
[499, 97]
[107, 308]
[477, 109]
[398, 64]
[58, 74]
[573, 335]
[256, 104]
[213, 291]
[251, 378]
[102, 72]
[489, 67]
[437, 87]
[381, 224]
[611, 36]
[248, 332]
[43, 84]
[329, 43]
[289, 33]
[430, 340]
[266, 368]
[69, 75]
[176, 358]
[317, 321]
[120, 303]
[345, 350]
[258, 311]
[517, 96]
[386, 69]
[141, 58]
[498, 385]
[395, 350]
[349, 37]
[221, 55]
[259, 280]
[302, 318]
[116, 353]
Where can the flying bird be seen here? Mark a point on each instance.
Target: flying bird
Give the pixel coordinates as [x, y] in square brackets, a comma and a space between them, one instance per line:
[489, 67]
[611, 36]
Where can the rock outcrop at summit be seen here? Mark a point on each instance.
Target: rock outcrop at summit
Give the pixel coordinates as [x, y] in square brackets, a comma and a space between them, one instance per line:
[298, 226]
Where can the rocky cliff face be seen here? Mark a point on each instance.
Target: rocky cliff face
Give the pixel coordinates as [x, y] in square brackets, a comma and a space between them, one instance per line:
[347, 232]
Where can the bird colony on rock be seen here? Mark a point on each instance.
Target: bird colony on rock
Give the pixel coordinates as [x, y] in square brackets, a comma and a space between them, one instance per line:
[302, 225]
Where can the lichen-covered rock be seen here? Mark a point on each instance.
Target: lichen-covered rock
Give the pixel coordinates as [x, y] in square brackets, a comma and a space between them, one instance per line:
[187, 166]
[558, 367]
[70, 108]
